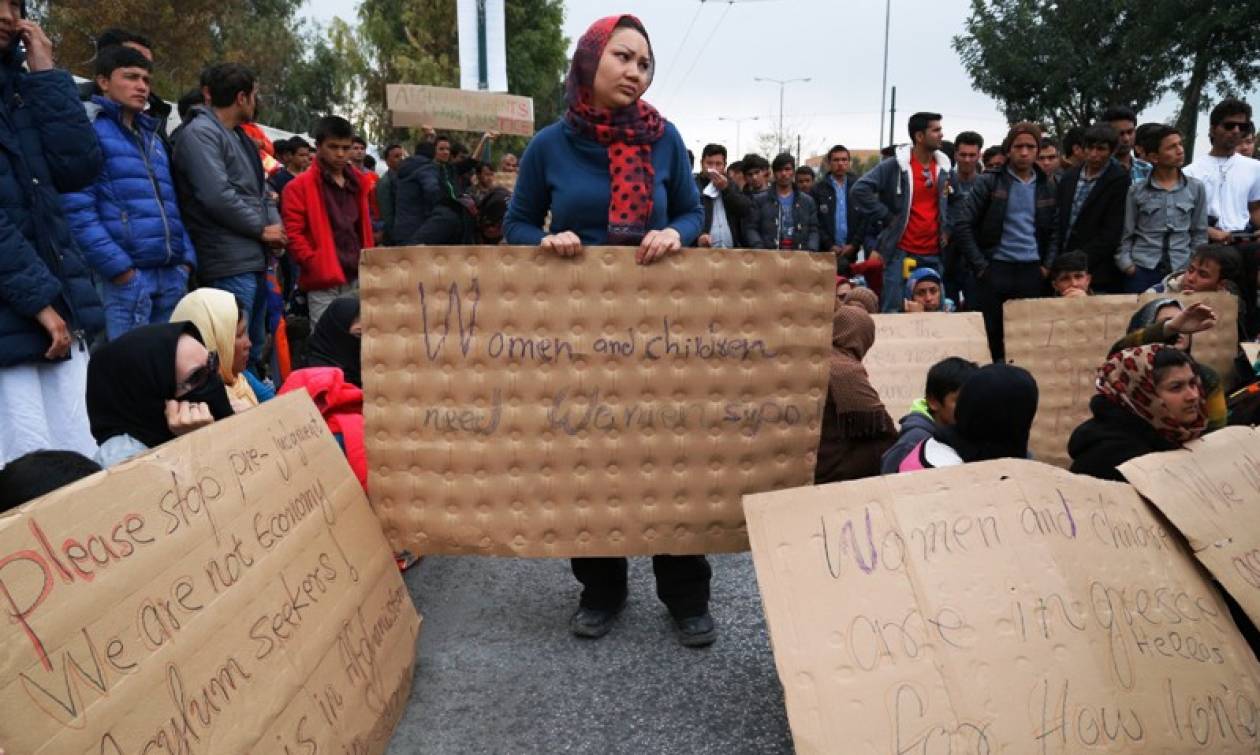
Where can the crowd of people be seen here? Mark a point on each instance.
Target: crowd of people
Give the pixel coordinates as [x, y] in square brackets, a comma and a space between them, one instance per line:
[153, 283]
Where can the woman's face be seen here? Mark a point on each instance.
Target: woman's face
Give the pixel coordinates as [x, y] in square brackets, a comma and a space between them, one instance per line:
[1179, 389]
[624, 72]
[240, 355]
[191, 359]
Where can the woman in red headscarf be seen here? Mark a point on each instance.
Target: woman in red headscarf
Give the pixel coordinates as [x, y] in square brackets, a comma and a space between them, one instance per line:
[614, 172]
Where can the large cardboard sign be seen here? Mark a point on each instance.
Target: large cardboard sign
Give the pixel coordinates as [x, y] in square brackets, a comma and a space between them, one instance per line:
[228, 592]
[1210, 491]
[907, 345]
[519, 403]
[1062, 342]
[460, 110]
[1007, 606]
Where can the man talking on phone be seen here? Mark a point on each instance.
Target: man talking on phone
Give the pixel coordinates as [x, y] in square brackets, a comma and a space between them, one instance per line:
[49, 309]
[725, 220]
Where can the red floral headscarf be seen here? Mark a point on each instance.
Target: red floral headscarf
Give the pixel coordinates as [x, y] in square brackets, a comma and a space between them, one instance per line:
[628, 133]
[1127, 378]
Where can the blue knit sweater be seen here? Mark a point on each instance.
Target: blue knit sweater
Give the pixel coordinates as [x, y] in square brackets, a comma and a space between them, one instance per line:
[567, 174]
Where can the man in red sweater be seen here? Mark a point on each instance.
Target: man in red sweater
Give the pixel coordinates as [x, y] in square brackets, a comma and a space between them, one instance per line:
[326, 217]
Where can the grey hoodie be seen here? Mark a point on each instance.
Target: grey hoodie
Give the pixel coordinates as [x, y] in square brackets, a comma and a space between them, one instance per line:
[223, 196]
[885, 193]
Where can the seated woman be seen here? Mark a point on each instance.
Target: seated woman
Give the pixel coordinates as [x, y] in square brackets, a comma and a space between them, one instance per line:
[993, 418]
[330, 373]
[149, 386]
[222, 323]
[1149, 399]
[856, 428]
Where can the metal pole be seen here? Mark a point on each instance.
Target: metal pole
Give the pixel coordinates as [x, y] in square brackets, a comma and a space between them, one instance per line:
[782, 86]
[483, 61]
[892, 116]
[883, 86]
[798, 150]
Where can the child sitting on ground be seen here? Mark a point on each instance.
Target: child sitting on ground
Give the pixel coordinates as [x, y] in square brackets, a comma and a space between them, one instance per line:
[1069, 274]
[944, 381]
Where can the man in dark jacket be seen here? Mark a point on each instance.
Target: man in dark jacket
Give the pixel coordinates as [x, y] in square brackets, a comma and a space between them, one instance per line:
[224, 196]
[784, 218]
[1005, 230]
[127, 222]
[725, 220]
[1091, 201]
[839, 224]
[426, 211]
[49, 309]
[157, 108]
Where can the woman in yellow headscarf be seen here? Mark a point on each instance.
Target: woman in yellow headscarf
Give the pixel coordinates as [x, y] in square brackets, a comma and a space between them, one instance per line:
[224, 329]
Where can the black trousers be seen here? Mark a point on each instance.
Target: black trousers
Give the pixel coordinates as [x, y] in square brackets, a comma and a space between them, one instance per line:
[1003, 282]
[682, 583]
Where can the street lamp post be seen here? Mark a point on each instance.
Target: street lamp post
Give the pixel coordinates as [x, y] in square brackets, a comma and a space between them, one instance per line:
[738, 122]
[782, 84]
[883, 86]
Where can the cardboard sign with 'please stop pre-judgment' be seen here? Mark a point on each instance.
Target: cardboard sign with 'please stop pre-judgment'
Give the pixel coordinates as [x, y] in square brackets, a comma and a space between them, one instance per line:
[520, 403]
[227, 592]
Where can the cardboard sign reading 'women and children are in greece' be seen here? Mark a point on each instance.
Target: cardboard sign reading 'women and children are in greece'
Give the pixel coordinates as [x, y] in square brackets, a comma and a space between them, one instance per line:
[1210, 491]
[228, 592]
[1062, 342]
[520, 403]
[441, 108]
[1005, 606]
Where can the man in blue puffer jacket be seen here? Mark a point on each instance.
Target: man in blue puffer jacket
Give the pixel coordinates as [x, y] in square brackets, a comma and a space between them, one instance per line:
[127, 223]
[48, 305]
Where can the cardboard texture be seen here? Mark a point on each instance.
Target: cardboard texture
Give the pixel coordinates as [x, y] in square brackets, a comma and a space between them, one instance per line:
[227, 592]
[442, 108]
[523, 404]
[1062, 342]
[1006, 606]
[1210, 491]
[907, 345]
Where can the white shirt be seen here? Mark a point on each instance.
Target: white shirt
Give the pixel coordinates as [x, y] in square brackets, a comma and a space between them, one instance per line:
[1232, 182]
[720, 231]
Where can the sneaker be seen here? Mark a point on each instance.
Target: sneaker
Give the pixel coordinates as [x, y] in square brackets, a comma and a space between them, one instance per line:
[593, 623]
[696, 631]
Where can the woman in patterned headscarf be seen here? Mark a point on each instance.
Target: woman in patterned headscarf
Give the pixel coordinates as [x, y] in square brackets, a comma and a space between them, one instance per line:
[1150, 398]
[614, 172]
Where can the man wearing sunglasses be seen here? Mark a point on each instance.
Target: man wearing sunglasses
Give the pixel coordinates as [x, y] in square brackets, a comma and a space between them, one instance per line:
[906, 196]
[1232, 181]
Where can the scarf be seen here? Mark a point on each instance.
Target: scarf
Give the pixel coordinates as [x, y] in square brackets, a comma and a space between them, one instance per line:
[628, 133]
[1127, 378]
[332, 344]
[864, 298]
[858, 407]
[131, 378]
[994, 414]
[215, 314]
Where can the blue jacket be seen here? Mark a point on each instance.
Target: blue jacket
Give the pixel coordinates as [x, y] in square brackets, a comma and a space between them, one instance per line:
[47, 146]
[129, 217]
[568, 175]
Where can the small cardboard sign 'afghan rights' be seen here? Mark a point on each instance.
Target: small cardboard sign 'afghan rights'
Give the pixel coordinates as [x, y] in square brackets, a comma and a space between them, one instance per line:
[1062, 342]
[442, 108]
[1006, 606]
[519, 403]
[907, 345]
[1210, 491]
[228, 592]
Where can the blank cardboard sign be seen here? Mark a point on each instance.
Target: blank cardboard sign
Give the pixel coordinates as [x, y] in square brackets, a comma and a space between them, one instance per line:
[1210, 491]
[523, 404]
[1063, 341]
[228, 592]
[907, 345]
[1006, 606]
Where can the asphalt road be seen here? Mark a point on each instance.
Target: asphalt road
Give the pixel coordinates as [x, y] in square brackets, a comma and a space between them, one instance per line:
[498, 671]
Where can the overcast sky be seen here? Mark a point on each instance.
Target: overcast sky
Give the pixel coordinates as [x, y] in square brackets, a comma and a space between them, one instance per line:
[705, 69]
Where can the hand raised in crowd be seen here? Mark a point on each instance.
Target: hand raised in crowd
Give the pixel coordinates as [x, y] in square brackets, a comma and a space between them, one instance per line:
[1195, 318]
[657, 244]
[564, 244]
[274, 237]
[39, 48]
[719, 179]
[910, 305]
[182, 417]
[51, 322]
